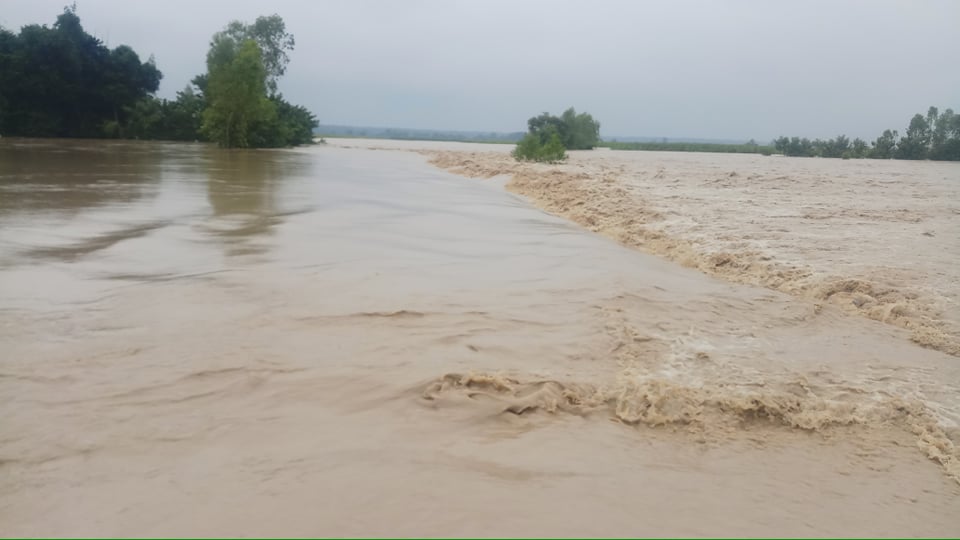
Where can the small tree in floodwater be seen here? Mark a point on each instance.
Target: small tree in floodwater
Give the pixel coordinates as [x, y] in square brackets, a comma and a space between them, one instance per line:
[548, 136]
[533, 148]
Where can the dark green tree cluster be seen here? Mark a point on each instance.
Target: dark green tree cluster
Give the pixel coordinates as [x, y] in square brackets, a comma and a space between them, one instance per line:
[576, 131]
[235, 103]
[152, 118]
[934, 136]
[60, 81]
[548, 136]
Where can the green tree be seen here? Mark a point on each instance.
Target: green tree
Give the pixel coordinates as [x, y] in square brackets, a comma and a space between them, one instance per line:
[886, 145]
[859, 148]
[270, 35]
[576, 131]
[915, 143]
[60, 81]
[942, 141]
[582, 131]
[545, 125]
[533, 148]
[236, 92]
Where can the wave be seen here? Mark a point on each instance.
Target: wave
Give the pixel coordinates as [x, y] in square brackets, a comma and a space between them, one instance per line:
[708, 410]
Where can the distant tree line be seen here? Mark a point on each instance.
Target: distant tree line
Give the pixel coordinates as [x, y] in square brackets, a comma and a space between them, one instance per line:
[750, 147]
[60, 81]
[934, 136]
[548, 137]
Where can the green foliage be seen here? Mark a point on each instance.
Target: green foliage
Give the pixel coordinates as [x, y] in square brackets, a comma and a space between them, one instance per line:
[885, 145]
[243, 64]
[270, 35]
[934, 136]
[161, 119]
[292, 125]
[576, 131]
[533, 148]
[915, 143]
[548, 137]
[60, 81]
[236, 93]
[859, 148]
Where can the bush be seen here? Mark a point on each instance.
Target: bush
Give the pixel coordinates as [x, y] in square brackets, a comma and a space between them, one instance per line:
[530, 148]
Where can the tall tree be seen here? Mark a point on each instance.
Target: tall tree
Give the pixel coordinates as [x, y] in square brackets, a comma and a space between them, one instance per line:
[885, 145]
[582, 133]
[916, 141]
[236, 91]
[859, 148]
[271, 36]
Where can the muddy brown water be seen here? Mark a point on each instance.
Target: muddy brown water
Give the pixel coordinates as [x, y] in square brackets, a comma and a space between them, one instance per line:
[345, 341]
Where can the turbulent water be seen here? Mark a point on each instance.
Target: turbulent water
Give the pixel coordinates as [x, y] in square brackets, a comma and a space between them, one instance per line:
[347, 341]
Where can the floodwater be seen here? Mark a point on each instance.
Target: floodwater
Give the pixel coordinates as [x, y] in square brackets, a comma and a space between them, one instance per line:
[345, 341]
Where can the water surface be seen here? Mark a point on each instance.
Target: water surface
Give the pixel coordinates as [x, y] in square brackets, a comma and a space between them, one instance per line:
[331, 341]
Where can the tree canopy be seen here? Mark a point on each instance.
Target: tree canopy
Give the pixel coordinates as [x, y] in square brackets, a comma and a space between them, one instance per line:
[548, 136]
[240, 86]
[576, 131]
[270, 35]
[60, 81]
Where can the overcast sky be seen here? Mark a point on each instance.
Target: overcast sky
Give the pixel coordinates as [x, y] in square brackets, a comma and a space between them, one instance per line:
[712, 69]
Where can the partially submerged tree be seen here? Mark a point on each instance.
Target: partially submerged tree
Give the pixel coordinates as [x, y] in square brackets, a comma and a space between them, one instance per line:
[576, 131]
[243, 106]
[548, 137]
[236, 92]
[533, 148]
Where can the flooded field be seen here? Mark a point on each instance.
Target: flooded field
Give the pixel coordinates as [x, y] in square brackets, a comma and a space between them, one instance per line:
[340, 340]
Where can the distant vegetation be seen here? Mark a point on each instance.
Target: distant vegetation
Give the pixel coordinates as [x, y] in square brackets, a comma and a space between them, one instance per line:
[747, 148]
[934, 136]
[62, 82]
[548, 137]
[408, 134]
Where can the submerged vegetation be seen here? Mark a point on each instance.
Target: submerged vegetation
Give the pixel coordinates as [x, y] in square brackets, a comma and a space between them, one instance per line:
[934, 136]
[60, 81]
[548, 137]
